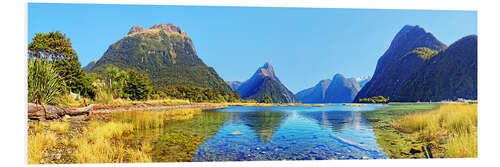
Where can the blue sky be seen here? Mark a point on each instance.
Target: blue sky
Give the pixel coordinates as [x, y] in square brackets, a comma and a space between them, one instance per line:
[304, 45]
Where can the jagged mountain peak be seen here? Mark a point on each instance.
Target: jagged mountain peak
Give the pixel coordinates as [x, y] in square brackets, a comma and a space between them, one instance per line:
[338, 76]
[170, 28]
[265, 82]
[136, 29]
[266, 70]
[414, 36]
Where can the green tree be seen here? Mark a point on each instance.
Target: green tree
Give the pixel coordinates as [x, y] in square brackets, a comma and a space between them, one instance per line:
[54, 47]
[267, 99]
[137, 87]
[44, 84]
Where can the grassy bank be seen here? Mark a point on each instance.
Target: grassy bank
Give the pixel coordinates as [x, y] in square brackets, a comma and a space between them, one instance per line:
[448, 130]
[137, 136]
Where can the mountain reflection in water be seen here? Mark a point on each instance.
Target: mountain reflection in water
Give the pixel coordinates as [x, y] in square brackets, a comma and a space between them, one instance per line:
[292, 133]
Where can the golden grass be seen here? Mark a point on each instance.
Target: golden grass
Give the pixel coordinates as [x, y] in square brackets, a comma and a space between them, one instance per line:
[167, 101]
[153, 119]
[38, 144]
[294, 104]
[69, 101]
[462, 145]
[59, 127]
[331, 104]
[306, 105]
[455, 124]
[109, 130]
[103, 143]
[319, 105]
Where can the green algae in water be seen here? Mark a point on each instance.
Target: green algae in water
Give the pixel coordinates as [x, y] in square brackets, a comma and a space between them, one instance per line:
[395, 143]
[180, 139]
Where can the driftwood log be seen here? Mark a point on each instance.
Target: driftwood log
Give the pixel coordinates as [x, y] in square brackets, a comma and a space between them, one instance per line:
[35, 111]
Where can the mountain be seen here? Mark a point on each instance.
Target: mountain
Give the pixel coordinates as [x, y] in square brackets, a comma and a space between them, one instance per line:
[265, 82]
[409, 50]
[90, 66]
[449, 75]
[341, 90]
[361, 80]
[164, 52]
[315, 94]
[234, 84]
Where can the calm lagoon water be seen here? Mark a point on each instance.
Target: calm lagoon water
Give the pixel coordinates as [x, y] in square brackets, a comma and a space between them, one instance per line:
[291, 133]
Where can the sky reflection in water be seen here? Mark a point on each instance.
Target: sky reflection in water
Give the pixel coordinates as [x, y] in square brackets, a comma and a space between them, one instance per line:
[292, 133]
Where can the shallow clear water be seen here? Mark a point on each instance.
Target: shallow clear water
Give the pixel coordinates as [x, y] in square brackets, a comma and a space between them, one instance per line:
[292, 133]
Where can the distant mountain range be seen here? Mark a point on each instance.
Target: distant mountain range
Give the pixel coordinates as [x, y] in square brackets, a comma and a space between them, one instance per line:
[337, 90]
[418, 67]
[264, 82]
[164, 52]
[415, 67]
[234, 84]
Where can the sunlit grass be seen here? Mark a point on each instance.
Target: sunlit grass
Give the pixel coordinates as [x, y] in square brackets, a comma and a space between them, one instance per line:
[153, 119]
[319, 105]
[455, 124]
[69, 101]
[462, 145]
[59, 127]
[103, 143]
[38, 144]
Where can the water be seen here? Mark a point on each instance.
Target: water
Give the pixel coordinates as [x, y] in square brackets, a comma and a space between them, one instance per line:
[291, 133]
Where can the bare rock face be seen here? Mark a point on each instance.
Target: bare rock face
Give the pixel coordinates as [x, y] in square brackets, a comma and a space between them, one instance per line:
[136, 29]
[168, 28]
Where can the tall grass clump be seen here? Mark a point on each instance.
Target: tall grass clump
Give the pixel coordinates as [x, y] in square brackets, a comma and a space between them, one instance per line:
[462, 145]
[453, 124]
[38, 144]
[153, 119]
[69, 101]
[59, 127]
[105, 143]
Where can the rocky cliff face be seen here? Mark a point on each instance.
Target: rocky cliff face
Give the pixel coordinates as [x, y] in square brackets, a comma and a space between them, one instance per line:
[400, 61]
[265, 82]
[164, 52]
